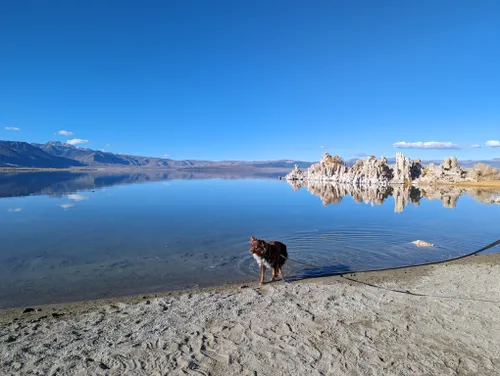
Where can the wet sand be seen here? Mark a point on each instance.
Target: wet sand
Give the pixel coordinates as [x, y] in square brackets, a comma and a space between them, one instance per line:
[438, 319]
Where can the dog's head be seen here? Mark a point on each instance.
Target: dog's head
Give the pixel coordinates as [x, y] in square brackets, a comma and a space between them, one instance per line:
[257, 246]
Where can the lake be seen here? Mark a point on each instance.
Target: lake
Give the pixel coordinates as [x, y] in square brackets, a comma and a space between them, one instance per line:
[69, 236]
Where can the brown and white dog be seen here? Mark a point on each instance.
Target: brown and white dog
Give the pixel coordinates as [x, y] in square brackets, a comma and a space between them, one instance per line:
[271, 255]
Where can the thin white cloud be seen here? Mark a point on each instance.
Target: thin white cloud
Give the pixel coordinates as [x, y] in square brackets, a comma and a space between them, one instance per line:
[166, 155]
[14, 210]
[325, 147]
[426, 145]
[68, 205]
[77, 197]
[16, 129]
[108, 145]
[493, 144]
[65, 133]
[77, 141]
[475, 146]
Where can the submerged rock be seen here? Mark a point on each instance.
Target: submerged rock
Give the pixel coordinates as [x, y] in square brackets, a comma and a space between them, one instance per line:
[421, 243]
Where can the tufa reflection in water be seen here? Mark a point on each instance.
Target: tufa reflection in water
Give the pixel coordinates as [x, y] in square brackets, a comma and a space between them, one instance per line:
[331, 193]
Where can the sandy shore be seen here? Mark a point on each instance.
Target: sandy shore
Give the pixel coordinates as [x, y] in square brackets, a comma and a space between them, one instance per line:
[432, 320]
[492, 183]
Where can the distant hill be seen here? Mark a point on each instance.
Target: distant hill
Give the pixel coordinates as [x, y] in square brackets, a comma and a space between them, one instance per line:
[94, 158]
[22, 154]
[495, 162]
[56, 154]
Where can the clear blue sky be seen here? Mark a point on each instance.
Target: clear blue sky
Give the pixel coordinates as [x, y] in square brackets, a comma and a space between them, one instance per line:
[253, 80]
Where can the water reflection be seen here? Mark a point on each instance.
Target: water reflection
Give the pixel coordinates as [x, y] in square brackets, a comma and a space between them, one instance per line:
[67, 206]
[58, 184]
[331, 193]
[77, 197]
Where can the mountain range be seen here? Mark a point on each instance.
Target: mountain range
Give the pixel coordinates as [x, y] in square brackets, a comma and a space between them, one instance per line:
[55, 154]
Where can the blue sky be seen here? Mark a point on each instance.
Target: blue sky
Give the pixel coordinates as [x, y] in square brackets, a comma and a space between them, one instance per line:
[253, 80]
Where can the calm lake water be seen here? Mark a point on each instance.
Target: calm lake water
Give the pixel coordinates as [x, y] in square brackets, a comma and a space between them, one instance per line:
[75, 236]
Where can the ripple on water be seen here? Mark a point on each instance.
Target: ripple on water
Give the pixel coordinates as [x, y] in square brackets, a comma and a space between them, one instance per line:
[316, 253]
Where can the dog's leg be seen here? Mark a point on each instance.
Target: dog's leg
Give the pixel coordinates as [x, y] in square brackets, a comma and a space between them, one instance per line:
[262, 272]
[281, 272]
[274, 275]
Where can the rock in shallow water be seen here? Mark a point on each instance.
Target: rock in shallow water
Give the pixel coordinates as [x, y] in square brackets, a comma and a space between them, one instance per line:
[421, 243]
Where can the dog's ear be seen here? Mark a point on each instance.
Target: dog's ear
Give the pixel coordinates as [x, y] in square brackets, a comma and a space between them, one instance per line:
[253, 239]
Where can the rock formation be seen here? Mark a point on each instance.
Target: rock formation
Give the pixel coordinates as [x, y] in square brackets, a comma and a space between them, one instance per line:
[369, 171]
[484, 172]
[416, 169]
[373, 171]
[447, 172]
[295, 174]
[402, 170]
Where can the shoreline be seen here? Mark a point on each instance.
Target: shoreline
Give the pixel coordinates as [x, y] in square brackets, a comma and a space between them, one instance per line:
[220, 287]
[397, 272]
[431, 319]
[389, 184]
[207, 169]
[82, 306]
[480, 184]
